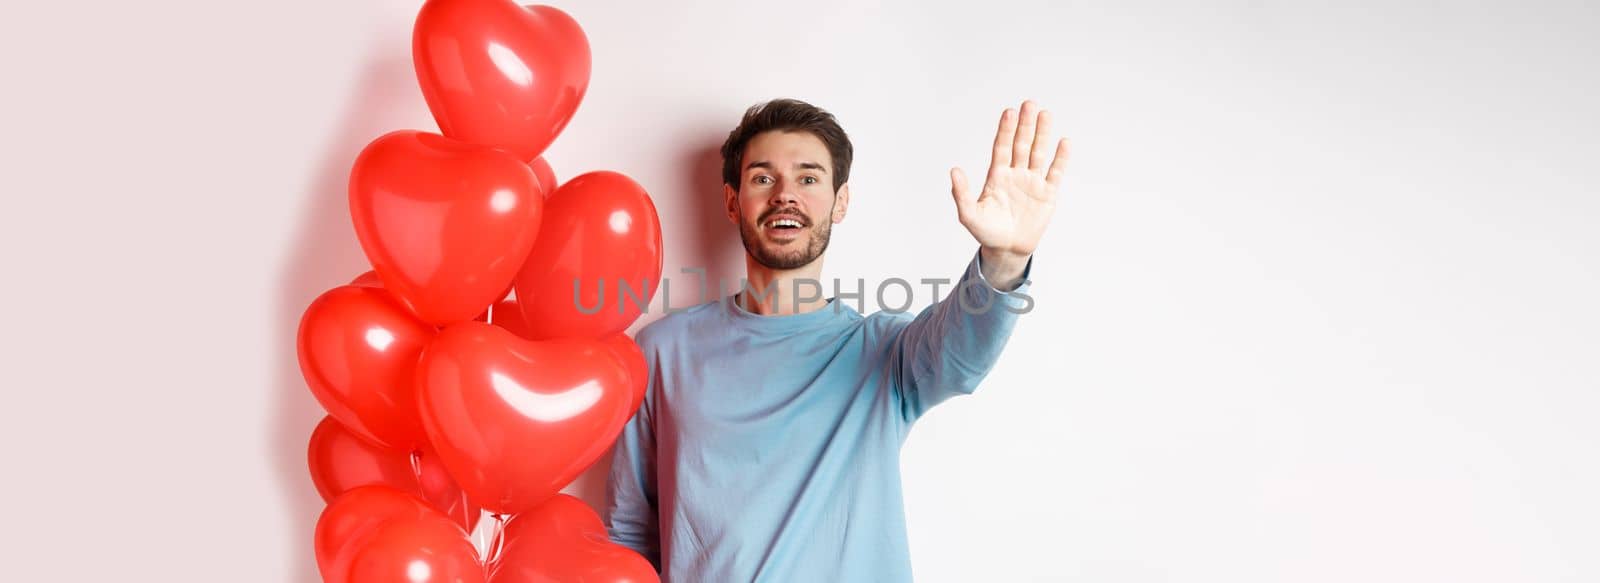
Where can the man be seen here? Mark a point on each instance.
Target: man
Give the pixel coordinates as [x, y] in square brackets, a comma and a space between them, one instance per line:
[767, 446]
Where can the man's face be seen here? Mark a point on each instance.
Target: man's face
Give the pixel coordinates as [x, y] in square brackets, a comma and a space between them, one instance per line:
[786, 206]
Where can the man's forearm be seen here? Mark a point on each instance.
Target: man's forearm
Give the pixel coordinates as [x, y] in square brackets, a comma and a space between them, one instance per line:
[1003, 269]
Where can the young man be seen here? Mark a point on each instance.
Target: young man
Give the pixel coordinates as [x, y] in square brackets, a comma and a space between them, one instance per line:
[767, 447]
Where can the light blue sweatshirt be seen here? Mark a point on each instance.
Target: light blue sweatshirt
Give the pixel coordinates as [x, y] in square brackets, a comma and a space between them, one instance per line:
[767, 448]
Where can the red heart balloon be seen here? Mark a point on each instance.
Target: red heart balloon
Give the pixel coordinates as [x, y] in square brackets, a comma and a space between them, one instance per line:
[376, 534]
[498, 74]
[367, 279]
[370, 279]
[564, 540]
[426, 549]
[546, 174]
[445, 224]
[341, 460]
[352, 517]
[600, 232]
[358, 350]
[514, 420]
[638, 370]
[508, 315]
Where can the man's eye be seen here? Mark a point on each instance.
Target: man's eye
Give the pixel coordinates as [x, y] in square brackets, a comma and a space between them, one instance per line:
[761, 179]
[810, 180]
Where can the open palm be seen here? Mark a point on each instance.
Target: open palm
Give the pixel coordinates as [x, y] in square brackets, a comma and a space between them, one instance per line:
[1011, 212]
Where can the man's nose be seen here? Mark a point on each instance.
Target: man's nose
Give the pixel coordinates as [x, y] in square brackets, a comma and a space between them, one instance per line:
[785, 194]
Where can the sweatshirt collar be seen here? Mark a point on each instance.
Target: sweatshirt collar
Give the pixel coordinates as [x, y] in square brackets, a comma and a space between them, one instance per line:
[833, 311]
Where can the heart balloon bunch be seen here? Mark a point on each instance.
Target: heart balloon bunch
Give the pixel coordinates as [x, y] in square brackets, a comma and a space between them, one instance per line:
[380, 534]
[483, 363]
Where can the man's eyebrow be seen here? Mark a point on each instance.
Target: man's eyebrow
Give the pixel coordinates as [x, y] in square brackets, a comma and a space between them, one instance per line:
[801, 165]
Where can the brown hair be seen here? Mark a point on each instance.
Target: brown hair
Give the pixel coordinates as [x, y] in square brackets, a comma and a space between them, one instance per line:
[789, 115]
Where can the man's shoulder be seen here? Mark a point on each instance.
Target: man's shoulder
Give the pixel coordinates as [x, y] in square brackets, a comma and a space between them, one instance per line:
[888, 322]
[676, 325]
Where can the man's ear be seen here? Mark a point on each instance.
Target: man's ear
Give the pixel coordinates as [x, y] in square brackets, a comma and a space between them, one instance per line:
[841, 203]
[730, 202]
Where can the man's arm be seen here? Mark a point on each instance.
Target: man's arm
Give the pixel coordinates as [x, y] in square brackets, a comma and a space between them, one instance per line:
[630, 513]
[949, 347]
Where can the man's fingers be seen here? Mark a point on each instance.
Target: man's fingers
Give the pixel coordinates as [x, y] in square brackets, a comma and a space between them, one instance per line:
[1038, 156]
[1002, 140]
[1022, 145]
[1058, 166]
[960, 191]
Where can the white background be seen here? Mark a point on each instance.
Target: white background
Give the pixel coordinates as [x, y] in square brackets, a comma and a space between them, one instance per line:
[1318, 304]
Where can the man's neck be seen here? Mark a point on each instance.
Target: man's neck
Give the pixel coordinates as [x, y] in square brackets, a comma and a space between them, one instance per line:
[782, 292]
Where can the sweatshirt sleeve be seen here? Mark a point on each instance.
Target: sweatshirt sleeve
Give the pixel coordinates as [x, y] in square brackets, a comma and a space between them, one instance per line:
[630, 510]
[949, 347]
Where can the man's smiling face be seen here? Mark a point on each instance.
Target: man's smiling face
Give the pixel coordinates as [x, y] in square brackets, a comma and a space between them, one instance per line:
[786, 205]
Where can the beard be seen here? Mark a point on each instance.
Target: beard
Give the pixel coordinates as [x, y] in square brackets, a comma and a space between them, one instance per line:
[795, 254]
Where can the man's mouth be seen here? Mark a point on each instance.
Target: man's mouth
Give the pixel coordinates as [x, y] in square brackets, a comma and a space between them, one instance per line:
[785, 224]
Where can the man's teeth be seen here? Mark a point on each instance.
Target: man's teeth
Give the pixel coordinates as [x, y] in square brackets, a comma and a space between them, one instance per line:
[785, 223]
